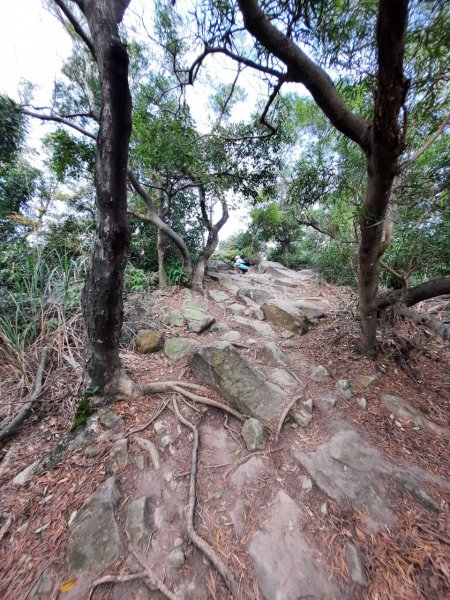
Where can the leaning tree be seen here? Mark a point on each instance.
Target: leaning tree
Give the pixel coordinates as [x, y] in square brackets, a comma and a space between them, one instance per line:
[308, 43]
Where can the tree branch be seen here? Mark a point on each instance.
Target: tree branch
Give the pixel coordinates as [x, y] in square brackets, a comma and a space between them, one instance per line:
[427, 144]
[59, 119]
[76, 25]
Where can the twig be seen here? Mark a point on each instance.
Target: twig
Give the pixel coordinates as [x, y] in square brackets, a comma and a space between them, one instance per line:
[155, 582]
[26, 408]
[247, 457]
[199, 542]
[436, 534]
[155, 416]
[115, 579]
[288, 408]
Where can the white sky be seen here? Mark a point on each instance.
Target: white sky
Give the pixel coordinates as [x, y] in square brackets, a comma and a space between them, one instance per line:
[34, 45]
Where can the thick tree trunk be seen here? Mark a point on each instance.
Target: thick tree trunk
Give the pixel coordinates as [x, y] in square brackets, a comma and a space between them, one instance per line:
[103, 294]
[442, 329]
[385, 146]
[161, 248]
[414, 295]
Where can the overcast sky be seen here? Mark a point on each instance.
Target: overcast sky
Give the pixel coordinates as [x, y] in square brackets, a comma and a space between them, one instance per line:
[34, 45]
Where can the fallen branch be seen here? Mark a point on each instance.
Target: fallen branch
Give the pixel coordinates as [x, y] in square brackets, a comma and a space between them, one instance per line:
[442, 329]
[23, 413]
[199, 542]
[414, 295]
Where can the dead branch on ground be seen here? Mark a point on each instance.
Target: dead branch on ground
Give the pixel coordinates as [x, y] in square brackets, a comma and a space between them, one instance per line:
[11, 427]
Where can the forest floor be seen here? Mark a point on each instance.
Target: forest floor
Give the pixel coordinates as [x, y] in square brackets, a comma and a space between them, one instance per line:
[262, 512]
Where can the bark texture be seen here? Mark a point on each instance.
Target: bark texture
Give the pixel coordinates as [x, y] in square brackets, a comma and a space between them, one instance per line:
[103, 294]
[380, 140]
[414, 295]
[384, 149]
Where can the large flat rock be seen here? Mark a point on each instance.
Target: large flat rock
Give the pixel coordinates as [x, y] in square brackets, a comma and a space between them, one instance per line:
[254, 327]
[242, 384]
[285, 314]
[287, 567]
[94, 538]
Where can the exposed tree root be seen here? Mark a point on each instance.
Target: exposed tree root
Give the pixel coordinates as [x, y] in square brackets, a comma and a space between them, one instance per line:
[289, 407]
[11, 427]
[442, 329]
[115, 579]
[153, 581]
[199, 542]
[210, 402]
[155, 416]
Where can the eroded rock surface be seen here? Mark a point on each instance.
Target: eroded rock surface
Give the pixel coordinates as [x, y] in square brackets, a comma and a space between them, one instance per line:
[286, 566]
[242, 384]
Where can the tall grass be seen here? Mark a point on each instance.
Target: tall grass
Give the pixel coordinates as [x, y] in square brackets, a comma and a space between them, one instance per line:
[43, 290]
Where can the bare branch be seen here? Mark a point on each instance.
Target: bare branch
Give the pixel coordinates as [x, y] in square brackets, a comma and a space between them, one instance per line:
[427, 144]
[76, 25]
[59, 119]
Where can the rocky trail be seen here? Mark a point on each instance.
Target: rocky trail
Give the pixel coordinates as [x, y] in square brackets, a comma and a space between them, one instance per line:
[313, 473]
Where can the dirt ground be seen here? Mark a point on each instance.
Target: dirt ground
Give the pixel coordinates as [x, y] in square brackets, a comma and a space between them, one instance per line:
[410, 561]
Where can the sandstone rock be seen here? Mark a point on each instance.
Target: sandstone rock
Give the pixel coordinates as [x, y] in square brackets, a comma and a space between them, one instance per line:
[345, 389]
[303, 418]
[94, 538]
[284, 379]
[254, 435]
[237, 309]
[346, 469]
[175, 319]
[404, 410]
[25, 475]
[257, 295]
[199, 305]
[287, 334]
[118, 457]
[355, 565]
[255, 327]
[326, 400]
[272, 354]
[218, 296]
[148, 340]
[362, 403]
[196, 320]
[368, 381]
[311, 311]
[176, 348]
[43, 588]
[137, 523]
[287, 567]
[231, 336]
[219, 327]
[221, 365]
[319, 373]
[110, 420]
[91, 451]
[285, 314]
[160, 428]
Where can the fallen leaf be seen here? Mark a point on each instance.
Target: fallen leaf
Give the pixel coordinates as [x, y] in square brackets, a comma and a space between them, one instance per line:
[347, 533]
[68, 585]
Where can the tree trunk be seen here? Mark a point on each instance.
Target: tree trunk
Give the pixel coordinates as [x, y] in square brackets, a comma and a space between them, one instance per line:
[385, 146]
[161, 248]
[103, 293]
[424, 291]
[442, 329]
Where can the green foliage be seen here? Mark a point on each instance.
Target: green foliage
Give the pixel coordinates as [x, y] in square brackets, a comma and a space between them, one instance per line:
[137, 280]
[175, 274]
[244, 244]
[70, 157]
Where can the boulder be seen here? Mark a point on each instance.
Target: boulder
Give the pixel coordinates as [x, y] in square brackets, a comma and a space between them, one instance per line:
[231, 336]
[254, 435]
[311, 311]
[255, 327]
[272, 354]
[285, 314]
[94, 541]
[148, 340]
[286, 565]
[237, 309]
[219, 327]
[319, 373]
[368, 381]
[110, 420]
[245, 387]
[355, 565]
[176, 348]
[344, 389]
[175, 319]
[257, 295]
[284, 379]
[196, 320]
[218, 296]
